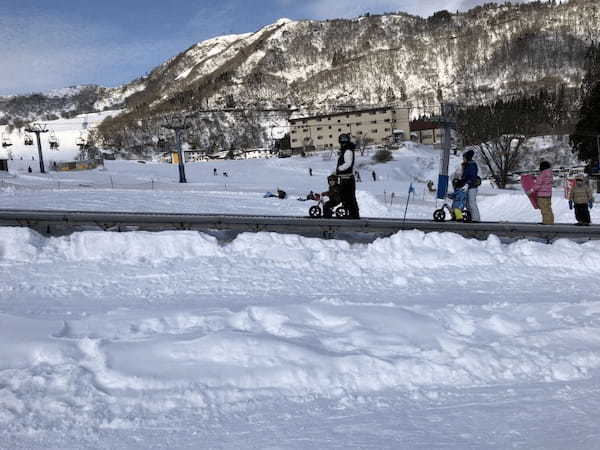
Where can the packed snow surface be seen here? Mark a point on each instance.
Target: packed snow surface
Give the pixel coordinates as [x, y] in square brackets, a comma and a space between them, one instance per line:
[180, 340]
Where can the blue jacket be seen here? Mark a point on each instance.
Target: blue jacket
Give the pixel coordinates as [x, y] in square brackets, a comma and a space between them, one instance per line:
[470, 174]
[459, 198]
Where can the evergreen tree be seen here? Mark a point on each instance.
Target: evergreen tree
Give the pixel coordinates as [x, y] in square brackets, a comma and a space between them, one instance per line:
[586, 138]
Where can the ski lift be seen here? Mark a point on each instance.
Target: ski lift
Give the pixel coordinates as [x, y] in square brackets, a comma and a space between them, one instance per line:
[81, 141]
[6, 142]
[28, 139]
[53, 141]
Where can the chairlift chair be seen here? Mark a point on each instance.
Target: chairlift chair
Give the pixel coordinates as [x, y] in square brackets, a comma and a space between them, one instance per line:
[53, 141]
[28, 139]
[6, 142]
[81, 141]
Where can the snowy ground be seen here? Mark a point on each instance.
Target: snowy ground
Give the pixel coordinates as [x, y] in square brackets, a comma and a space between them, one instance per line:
[175, 340]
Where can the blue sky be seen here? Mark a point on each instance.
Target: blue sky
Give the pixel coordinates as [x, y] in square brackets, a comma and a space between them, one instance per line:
[48, 44]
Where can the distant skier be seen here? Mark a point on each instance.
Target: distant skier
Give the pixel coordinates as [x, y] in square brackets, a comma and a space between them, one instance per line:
[310, 171]
[345, 173]
[225, 174]
[374, 175]
[357, 176]
[215, 172]
[29, 169]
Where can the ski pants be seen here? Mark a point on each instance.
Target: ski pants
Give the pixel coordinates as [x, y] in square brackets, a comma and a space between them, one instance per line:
[472, 204]
[545, 205]
[582, 213]
[348, 194]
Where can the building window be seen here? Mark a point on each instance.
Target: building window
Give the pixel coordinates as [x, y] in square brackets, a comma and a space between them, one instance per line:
[340, 130]
[386, 120]
[358, 124]
[319, 129]
[374, 131]
[319, 137]
[360, 132]
[293, 131]
[304, 121]
[359, 114]
[331, 136]
[373, 113]
[294, 140]
[330, 127]
[386, 130]
[320, 119]
[339, 120]
[373, 122]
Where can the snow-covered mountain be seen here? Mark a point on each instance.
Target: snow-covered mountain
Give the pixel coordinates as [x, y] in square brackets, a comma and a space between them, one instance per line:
[488, 51]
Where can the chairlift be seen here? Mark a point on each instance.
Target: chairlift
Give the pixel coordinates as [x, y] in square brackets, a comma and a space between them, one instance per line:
[81, 141]
[28, 139]
[53, 141]
[6, 142]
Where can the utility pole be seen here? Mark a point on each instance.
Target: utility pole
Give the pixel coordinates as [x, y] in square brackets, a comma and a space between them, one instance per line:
[178, 125]
[443, 178]
[38, 129]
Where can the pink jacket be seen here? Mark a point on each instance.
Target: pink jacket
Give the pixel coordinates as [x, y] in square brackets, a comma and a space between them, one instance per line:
[543, 184]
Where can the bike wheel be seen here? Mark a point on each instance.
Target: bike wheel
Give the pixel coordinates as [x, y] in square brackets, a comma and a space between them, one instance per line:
[439, 215]
[341, 212]
[315, 211]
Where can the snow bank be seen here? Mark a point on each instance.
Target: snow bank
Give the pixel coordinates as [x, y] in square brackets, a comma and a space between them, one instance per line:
[405, 250]
[155, 327]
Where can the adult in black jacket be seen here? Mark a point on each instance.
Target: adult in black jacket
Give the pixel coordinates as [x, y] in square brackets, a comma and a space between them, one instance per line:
[345, 173]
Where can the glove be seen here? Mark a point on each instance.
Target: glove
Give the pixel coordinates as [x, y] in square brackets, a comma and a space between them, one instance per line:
[591, 204]
[570, 204]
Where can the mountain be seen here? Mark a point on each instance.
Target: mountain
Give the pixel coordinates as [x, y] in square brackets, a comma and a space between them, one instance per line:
[488, 51]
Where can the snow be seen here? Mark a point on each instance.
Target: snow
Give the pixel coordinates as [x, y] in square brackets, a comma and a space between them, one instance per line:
[181, 340]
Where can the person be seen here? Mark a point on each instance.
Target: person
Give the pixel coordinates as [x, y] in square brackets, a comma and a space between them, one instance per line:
[281, 194]
[582, 197]
[309, 196]
[459, 198]
[470, 178]
[357, 176]
[430, 186]
[215, 172]
[310, 171]
[374, 175]
[29, 169]
[335, 196]
[542, 188]
[345, 173]
[225, 174]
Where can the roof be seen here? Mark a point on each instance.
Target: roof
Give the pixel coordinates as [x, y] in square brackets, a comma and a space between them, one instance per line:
[344, 113]
[420, 125]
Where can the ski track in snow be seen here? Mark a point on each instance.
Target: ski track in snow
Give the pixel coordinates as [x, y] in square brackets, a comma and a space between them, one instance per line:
[178, 340]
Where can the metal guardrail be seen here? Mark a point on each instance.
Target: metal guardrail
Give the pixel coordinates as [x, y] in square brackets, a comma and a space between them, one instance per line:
[61, 222]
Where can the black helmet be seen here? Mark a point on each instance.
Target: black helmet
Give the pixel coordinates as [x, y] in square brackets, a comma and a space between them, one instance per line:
[344, 139]
[455, 183]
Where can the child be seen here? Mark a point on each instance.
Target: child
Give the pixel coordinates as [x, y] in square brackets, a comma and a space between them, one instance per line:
[459, 198]
[334, 194]
[581, 195]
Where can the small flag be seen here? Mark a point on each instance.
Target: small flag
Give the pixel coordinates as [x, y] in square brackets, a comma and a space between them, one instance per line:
[411, 189]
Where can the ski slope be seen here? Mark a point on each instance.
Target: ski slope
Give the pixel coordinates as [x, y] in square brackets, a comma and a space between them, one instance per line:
[177, 340]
